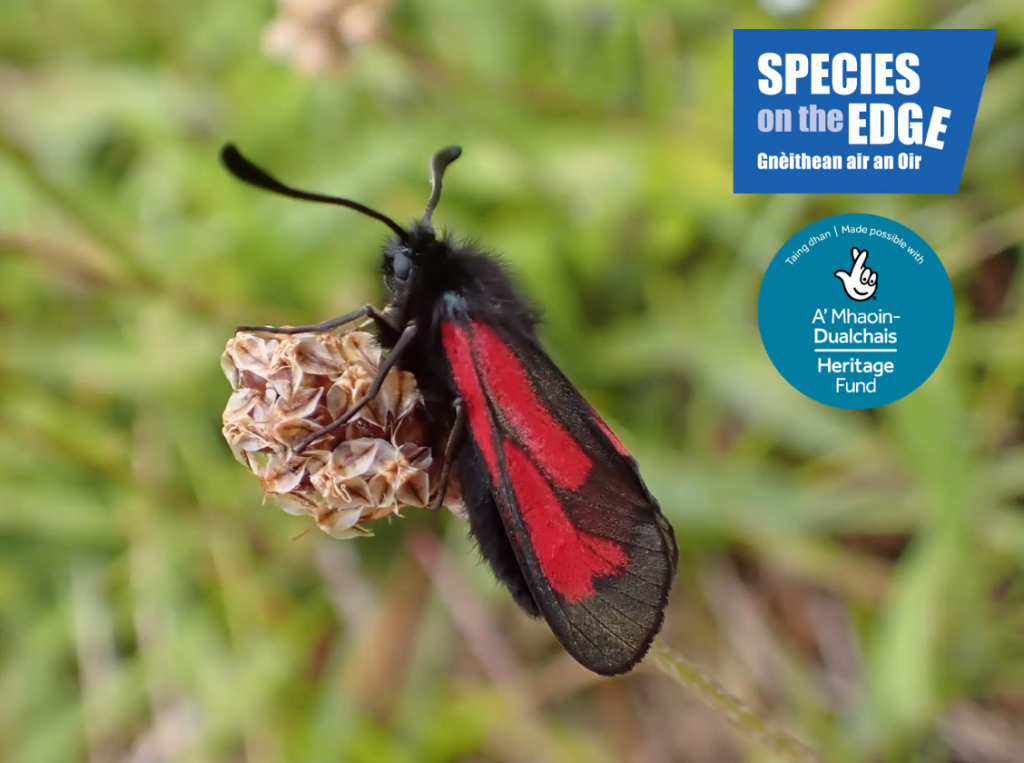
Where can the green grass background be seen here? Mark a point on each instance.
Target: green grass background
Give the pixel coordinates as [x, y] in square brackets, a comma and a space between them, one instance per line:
[855, 576]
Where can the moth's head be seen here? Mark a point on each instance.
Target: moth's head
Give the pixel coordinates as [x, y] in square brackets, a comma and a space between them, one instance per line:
[407, 248]
[404, 255]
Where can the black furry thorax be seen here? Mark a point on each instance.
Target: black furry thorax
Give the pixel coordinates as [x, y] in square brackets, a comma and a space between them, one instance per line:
[452, 278]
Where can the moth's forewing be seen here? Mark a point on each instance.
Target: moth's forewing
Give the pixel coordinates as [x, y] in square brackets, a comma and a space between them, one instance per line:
[592, 545]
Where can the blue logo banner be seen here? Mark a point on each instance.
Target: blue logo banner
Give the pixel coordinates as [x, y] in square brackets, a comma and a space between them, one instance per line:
[855, 110]
[856, 311]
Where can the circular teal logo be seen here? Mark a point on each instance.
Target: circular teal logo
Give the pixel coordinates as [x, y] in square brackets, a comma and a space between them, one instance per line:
[856, 311]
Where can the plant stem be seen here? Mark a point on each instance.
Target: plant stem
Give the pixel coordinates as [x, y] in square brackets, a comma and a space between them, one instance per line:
[136, 274]
[75, 210]
[739, 716]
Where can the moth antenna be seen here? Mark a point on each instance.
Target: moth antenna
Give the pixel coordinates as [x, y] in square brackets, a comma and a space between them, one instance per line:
[438, 164]
[249, 173]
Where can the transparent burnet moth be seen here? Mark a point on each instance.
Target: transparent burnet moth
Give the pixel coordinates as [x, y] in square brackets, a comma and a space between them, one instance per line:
[556, 503]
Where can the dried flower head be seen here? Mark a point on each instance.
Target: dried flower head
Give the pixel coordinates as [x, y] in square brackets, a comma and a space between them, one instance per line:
[317, 36]
[288, 387]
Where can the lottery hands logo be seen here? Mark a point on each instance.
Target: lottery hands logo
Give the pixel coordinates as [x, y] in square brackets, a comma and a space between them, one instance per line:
[861, 282]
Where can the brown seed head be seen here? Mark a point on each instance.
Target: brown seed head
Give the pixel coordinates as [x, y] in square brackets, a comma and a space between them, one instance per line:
[317, 36]
[287, 387]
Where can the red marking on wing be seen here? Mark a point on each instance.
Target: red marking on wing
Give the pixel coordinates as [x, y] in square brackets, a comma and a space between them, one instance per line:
[610, 434]
[551, 446]
[569, 558]
[456, 343]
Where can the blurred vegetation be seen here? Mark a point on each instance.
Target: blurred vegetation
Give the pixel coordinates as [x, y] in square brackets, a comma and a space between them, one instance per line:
[856, 576]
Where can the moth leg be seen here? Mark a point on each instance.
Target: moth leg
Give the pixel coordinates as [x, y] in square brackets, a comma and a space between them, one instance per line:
[329, 325]
[455, 440]
[378, 381]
